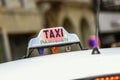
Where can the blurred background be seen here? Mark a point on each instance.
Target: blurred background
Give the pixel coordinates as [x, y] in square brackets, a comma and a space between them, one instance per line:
[21, 20]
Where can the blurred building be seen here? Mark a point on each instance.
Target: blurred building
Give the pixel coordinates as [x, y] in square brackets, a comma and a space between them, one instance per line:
[109, 21]
[19, 20]
[75, 15]
[22, 19]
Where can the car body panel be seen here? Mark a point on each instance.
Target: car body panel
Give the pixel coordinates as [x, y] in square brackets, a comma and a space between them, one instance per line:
[64, 66]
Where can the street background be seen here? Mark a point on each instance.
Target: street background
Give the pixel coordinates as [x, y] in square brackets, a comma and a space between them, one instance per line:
[21, 20]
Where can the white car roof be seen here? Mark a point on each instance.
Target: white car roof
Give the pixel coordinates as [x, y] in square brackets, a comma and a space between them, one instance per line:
[64, 66]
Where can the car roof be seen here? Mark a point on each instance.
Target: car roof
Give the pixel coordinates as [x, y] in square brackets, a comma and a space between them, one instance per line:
[64, 66]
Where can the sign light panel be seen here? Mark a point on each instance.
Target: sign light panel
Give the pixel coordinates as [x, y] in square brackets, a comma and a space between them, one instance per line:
[53, 35]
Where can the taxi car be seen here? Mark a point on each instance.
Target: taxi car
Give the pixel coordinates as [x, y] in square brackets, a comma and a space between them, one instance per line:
[69, 65]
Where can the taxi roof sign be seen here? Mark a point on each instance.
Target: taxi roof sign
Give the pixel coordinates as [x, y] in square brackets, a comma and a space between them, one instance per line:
[53, 37]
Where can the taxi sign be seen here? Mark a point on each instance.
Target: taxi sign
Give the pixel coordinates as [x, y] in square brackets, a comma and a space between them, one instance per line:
[53, 37]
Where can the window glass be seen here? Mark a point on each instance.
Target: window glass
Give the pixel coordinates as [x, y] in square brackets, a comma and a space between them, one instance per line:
[22, 3]
[3, 3]
[110, 5]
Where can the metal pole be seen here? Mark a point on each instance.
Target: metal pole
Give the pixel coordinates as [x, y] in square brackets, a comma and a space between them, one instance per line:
[97, 22]
[96, 50]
